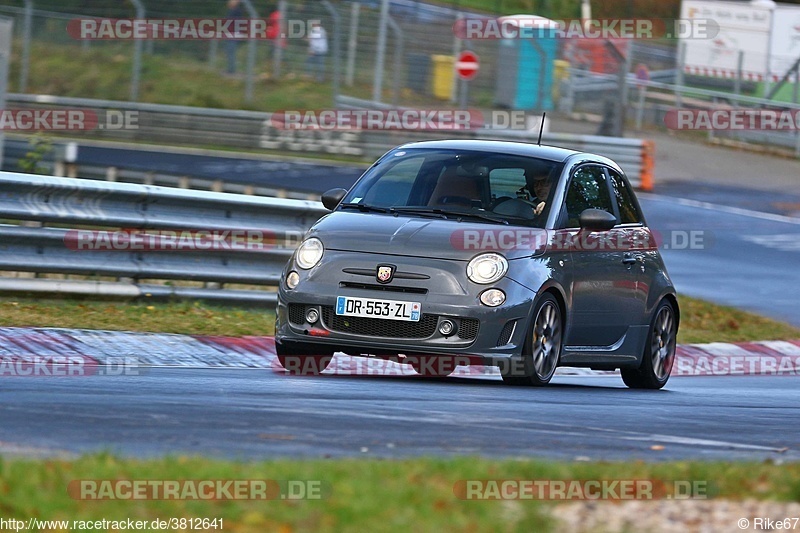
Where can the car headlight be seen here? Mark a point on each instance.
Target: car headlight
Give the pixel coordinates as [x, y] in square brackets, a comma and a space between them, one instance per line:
[487, 268]
[309, 253]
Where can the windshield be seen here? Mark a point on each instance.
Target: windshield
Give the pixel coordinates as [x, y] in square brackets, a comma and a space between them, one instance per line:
[494, 188]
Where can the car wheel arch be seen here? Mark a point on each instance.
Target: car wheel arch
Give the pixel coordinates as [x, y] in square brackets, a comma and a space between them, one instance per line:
[670, 297]
[558, 294]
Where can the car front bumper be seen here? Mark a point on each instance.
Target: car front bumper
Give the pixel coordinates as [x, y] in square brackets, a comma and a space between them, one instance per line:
[440, 286]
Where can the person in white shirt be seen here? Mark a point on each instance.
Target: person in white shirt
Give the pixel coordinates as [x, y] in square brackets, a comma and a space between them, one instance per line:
[317, 50]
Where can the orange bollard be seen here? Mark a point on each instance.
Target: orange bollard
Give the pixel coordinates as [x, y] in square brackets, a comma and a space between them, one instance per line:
[648, 163]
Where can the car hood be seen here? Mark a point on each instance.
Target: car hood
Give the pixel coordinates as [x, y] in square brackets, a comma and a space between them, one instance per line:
[425, 237]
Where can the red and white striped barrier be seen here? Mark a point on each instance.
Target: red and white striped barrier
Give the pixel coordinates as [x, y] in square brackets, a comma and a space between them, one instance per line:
[728, 73]
[98, 348]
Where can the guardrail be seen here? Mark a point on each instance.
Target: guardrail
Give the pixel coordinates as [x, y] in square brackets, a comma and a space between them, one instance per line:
[182, 125]
[267, 229]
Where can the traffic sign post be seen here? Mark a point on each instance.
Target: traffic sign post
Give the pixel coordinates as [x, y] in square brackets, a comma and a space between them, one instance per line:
[467, 67]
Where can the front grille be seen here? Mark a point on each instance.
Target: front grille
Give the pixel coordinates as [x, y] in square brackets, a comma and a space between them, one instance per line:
[505, 335]
[384, 288]
[297, 314]
[378, 327]
[468, 329]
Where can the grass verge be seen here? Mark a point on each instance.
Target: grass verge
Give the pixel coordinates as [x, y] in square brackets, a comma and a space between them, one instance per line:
[191, 318]
[701, 321]
[360, 495]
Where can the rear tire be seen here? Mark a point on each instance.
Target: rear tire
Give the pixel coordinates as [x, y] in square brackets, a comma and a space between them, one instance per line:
[542, 350]
[659, 355]
[307, 360]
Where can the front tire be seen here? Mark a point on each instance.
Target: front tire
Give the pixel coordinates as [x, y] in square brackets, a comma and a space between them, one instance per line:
[659, 356]
[303, 361]
[542, 350]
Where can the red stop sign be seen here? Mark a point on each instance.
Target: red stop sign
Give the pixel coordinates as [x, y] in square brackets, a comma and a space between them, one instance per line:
[467, 65]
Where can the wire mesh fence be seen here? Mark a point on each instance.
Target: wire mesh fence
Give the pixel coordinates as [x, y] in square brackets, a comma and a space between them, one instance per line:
[414, 66]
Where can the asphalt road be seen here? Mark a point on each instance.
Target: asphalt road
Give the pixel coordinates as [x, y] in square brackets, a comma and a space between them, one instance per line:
[249, 413]
[730, 255]
[301, 176]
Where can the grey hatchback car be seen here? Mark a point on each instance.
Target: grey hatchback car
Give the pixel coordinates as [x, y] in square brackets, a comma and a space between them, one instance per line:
[509, 254]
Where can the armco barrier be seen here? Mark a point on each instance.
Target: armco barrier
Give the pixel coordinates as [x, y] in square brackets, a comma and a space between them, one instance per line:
[249, 130]
[69, 203]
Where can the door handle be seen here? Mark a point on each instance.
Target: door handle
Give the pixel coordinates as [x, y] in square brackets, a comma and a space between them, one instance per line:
[628, 259]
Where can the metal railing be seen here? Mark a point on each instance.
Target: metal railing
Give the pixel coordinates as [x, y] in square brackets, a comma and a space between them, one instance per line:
[182, 125]
[27, 202]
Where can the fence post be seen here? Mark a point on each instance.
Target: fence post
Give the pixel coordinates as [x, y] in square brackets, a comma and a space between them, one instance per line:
[355, 11]
[212, 53]
[6, 33]
[456, 51]
[251, 56]
[679, 74]
[26, 46]
[377, 83]
[795, 98]
[277, 50]
[337, 46]
[640, 108]
[137, 54]
[737, 84]
[398, 58]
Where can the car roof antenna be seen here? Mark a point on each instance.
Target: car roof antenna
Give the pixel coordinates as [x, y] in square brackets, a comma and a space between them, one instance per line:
[541, 128]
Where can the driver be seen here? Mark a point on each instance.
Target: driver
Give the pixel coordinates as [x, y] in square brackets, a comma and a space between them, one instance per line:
[540, 186]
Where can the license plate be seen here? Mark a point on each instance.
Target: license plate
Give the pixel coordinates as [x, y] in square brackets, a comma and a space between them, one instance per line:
[368, 307]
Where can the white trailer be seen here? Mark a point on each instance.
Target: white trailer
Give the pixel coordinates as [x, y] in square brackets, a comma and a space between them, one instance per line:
[767, 35]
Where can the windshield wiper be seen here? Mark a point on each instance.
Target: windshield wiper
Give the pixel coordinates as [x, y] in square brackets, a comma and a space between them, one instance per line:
[364, 208]
[437, 213]
[445, 213]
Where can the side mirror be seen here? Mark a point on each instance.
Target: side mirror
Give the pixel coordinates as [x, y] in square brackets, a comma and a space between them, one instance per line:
[331, 198]
[597, 220]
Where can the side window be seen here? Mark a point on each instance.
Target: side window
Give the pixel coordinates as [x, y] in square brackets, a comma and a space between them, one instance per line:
[587, 190]
[395, 185]
[627, 207]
